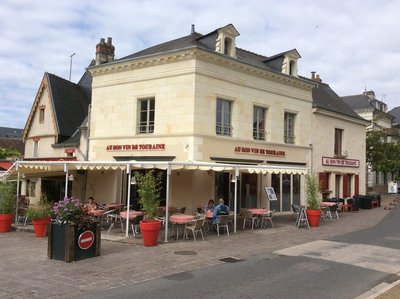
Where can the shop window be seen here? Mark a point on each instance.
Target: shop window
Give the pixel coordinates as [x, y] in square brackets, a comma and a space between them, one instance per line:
[258, 123]
[223, 117]
[146, 116]
[289, 122]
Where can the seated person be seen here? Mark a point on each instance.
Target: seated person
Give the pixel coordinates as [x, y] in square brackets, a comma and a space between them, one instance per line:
[91, 205]
[210, 206]
[220, 209]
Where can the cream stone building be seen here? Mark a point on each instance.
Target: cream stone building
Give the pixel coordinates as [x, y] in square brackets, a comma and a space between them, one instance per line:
[196, 99]
[338, 144]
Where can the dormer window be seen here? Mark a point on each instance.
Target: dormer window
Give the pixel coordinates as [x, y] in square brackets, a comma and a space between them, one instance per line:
[289, 65]
[292, 68]
[225, 43]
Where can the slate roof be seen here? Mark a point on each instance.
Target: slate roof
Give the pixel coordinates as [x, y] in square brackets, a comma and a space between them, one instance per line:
[71, 104]
[11, 133]
[360, 101]
[325, 98]
[207, 43]
[395, 112]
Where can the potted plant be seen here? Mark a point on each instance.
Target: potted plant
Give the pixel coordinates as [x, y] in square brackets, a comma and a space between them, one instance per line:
[149, 186]
[74, 234]
[40, 215]
[7, 205]
[313, 200]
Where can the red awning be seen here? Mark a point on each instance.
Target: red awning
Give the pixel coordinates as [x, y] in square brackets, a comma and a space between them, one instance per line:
[4, 165]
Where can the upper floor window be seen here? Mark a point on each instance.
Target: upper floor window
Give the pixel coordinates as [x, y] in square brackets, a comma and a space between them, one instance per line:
[41, 113]
[223, 117]
[35, 148]
[288, 135]
[338, 142]
[146, 115]
[258, 123]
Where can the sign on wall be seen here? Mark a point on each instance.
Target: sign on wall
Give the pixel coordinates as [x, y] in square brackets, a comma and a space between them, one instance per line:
[328, 161]
[258, 151]
[136, 147]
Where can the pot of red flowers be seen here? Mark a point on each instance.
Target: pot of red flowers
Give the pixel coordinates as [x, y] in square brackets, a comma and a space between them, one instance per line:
[40, 215]
[74, 234]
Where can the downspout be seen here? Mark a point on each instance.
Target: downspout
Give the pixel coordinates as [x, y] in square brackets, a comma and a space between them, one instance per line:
[66, 179]
[88, 132]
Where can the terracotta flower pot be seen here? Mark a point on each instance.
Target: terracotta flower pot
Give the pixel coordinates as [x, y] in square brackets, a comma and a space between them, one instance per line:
[150, 231]
[313, 217]
[5, 222]
[40, 226]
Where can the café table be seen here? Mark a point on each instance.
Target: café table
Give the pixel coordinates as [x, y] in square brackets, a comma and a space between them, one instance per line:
[263, 215]
[97, 212]
[132, 215]
[116, 206]
[181, 219]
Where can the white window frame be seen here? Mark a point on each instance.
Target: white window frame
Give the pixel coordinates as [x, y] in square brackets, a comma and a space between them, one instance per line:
[146, 126]
[289, 124]
[224, 113]
[259, 130]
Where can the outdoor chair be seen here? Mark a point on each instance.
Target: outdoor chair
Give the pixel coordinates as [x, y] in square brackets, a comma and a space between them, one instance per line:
[248, 217]
[223, 223]
[265, 218]
[135, 224]
[195, 227]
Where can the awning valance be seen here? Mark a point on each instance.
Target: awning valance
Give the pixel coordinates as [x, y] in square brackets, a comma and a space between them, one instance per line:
[35, 167]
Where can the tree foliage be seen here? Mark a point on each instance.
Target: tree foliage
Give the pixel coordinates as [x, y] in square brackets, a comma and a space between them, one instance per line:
[382, 156]
[8, 152]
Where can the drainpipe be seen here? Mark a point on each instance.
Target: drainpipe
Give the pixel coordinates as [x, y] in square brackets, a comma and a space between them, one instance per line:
[87, 133]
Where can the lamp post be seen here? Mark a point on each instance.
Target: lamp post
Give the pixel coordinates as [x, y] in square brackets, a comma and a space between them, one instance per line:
[70, 65]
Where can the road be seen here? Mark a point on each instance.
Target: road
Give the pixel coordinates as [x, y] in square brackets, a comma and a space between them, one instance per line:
[345, 266]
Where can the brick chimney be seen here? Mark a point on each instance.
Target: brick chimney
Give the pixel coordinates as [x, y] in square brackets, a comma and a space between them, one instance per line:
[315, 78]
[370, 94]
[104, 51]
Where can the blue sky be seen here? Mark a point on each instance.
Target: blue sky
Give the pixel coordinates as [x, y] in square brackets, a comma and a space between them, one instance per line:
[352, 44]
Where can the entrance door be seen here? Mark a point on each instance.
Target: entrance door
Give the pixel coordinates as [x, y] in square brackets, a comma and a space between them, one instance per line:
[248, 191]
[287, 190]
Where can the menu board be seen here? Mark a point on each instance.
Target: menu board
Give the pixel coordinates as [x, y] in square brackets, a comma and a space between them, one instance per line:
[270, 193]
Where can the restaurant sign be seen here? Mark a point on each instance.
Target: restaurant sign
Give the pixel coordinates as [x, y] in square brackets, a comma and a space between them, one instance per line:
[136, 147]
[340, 162]
[258, 151]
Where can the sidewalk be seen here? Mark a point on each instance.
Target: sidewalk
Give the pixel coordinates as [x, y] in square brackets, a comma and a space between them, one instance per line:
[26, 270]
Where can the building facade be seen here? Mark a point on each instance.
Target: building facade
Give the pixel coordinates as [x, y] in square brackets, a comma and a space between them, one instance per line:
[198, 98]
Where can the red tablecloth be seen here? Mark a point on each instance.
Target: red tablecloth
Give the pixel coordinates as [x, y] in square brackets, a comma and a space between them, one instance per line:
[97, 212]
[181, 218]
[116, 206]
[259, 211]
[132, 214]
[328, 204]
[209, 214]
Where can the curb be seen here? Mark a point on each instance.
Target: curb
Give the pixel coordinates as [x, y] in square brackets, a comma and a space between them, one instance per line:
[380, 289]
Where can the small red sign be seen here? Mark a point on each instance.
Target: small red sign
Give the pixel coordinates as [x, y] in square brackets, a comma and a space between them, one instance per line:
[86, 239]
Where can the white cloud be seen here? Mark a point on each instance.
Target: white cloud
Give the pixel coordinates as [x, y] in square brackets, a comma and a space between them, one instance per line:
[351, 44]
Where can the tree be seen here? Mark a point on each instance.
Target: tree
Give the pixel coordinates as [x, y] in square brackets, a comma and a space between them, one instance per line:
[382, 156]
[8, 152]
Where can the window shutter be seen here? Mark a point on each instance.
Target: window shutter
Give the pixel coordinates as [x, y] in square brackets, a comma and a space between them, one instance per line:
[323, 181]
[356, 184]
[345, 181]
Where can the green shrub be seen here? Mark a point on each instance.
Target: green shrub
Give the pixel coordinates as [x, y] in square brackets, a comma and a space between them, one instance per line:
[7, 197]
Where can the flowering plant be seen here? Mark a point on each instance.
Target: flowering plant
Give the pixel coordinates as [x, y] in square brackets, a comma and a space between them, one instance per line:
[69, 210]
